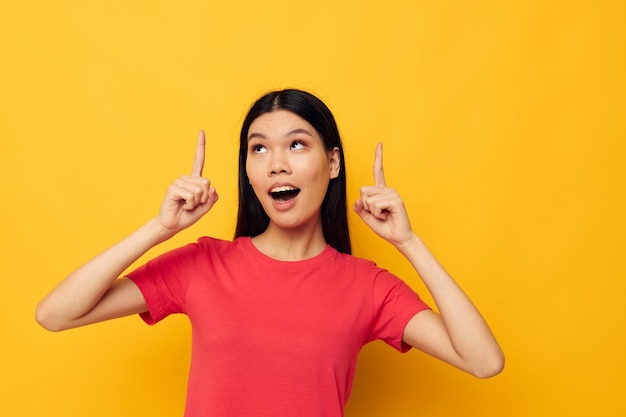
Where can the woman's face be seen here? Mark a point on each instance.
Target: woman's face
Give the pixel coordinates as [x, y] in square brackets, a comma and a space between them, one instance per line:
[289, 168]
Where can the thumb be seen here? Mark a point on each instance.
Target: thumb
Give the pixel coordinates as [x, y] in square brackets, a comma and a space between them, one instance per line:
[359, 209]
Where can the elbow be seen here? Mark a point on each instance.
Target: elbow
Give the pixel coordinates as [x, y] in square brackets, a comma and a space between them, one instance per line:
[490, 367]
[47, 319]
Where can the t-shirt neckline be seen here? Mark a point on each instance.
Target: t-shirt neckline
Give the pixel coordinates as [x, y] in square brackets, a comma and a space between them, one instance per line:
[249, 247]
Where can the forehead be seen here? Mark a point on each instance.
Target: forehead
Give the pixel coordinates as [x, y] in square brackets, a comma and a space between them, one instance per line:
[279, 123]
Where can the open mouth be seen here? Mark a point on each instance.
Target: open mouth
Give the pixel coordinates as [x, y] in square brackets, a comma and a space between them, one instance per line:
[282, 194]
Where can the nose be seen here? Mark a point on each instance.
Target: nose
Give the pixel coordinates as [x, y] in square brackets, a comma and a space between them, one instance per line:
[279, 164]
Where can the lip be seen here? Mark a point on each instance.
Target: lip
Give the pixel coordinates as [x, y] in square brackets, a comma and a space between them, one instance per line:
[284, 205]
[280, 184]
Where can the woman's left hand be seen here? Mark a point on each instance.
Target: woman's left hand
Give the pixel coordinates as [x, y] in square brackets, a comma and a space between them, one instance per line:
[382, 208]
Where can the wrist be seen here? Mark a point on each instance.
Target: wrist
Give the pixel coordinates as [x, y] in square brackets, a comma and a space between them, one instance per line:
[157, 232]
[409, 244]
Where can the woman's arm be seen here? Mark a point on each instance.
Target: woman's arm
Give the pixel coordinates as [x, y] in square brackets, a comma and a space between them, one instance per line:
[93, 292]
[458, 334]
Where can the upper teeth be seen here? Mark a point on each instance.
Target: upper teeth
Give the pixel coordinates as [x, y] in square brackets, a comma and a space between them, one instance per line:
[282, 188]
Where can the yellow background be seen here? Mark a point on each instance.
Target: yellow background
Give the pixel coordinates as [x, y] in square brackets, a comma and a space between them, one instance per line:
[504, 130]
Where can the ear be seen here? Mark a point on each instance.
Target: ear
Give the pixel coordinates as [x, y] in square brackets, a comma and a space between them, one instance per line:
[335, 162]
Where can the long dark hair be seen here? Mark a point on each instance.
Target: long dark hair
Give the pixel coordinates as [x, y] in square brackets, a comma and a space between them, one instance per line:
[251, 218]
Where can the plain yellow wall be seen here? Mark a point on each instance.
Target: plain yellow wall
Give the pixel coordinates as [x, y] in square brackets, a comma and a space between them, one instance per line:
[504, 129]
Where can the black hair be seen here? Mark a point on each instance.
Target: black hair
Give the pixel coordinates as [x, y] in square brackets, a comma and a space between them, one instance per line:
[251, 218]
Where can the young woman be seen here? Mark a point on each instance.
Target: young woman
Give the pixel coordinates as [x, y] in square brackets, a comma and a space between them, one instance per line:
[279, 314]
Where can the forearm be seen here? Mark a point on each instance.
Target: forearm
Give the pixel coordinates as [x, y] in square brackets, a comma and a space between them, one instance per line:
[81, 291]
[467, 331]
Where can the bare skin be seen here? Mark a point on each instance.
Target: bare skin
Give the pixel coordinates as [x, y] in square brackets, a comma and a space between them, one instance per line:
[458, 334]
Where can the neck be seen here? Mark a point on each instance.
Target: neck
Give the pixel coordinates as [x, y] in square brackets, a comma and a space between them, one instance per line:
[287, 244]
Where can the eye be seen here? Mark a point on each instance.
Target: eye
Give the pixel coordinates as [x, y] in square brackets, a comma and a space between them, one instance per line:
[297, 144]
[258, 148]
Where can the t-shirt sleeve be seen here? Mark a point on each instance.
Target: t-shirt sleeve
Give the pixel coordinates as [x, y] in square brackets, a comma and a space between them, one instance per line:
[395, 304]
[163, 282]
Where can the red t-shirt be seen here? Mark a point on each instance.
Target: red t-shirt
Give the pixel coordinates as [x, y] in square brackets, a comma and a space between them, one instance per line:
[274, 338]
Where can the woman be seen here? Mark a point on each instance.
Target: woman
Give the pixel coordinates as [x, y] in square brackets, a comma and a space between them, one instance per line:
[279, 314]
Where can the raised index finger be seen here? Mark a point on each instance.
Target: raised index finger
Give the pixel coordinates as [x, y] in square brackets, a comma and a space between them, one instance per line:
[379, 173]
[198, 162]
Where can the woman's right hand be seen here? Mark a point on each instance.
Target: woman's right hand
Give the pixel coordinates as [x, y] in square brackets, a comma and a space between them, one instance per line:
[92, 293]
[189, 197]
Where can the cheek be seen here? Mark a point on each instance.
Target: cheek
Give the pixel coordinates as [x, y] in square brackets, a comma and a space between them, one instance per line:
[255, 173]
[252, 169]
[319, 170]
[250, 172]
[318, 178]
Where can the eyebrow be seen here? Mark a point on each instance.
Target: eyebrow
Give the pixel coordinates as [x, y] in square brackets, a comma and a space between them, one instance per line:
[256, 135]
